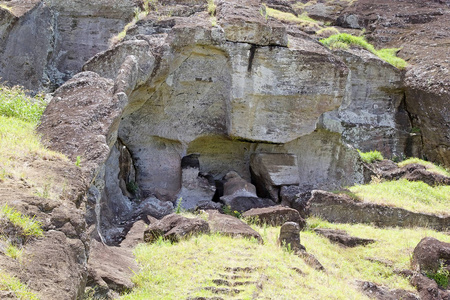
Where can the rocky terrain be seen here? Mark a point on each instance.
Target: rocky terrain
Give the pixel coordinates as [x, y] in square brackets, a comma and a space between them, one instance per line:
[215, 105]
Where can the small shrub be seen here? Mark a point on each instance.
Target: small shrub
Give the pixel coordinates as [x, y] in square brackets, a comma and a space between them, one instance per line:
[13, 251]
[211, 8]
[371, 156]
[78, 162]
[227, 210]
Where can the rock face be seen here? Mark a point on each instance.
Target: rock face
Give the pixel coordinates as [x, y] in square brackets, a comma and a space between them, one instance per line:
[343, 209]
[374, 291]
[175, 228]
[49, 41]
[274, 216]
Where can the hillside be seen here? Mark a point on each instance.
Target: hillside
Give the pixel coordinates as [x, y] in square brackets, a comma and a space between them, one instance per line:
[172, 129]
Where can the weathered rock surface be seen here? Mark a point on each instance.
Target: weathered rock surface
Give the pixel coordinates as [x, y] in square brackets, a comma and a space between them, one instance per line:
[290, 236]
[293, 196]
[270, 171]
[231, 226]
[428, 288]
[343, 209]
[429, 254]
[378, 121]
[49, 41]
[375, 291]
[343, 238]
[274, 216]
[111, 268]
[175, 228]
[135, 235]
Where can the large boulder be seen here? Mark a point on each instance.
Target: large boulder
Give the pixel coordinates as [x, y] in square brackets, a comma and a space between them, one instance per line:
[111, 268]
[270, 171]
[175, 228]
[430, 254]
[428, 288]
[231, 226]
[274, 216]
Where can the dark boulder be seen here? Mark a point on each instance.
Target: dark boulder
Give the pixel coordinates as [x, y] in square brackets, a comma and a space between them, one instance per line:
[293, 196]
[375, 291]
[290, 236]
[429, 254]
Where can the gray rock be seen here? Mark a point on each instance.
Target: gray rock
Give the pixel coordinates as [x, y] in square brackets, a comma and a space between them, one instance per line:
[343, 238]
[135, 235]
[293, 196]
[375, 291]
[272, 170]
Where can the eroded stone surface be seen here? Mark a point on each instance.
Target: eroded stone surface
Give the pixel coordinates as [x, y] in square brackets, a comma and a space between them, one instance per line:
[231, 226]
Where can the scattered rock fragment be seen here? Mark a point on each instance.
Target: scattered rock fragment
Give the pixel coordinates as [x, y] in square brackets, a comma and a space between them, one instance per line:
[428, 288]
[135, 235]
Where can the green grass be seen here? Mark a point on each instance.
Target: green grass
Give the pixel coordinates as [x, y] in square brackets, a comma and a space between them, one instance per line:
[29, 226]
[371, 156]
[15, 103]
[302, 19]
[389, 54]
[13, 285]
[430, 166]
[182, 270]
[13, 251]
[415, 196]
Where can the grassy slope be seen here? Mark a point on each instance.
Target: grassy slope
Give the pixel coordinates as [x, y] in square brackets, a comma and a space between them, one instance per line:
[182, 270]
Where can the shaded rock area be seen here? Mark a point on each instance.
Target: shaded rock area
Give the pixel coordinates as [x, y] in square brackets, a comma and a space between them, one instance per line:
[135, 235]
[341, 208]
[270, 171]
[274, 216]
[175, 228]
[375, 291]
[240, 195]
[297, 198]
[343, 238]
[231, 226]
[110, 270]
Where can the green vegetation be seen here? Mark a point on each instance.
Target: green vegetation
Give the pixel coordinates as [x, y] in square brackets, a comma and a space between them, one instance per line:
[371, 156]
[13, 251]
[19, 116]
[29, 227]
[441, 277]
[430, 166]
[416, 196]
[15, 103]
[11, 284]
[187, 268]
[302, 19]
[336, 41]
[211, 8]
